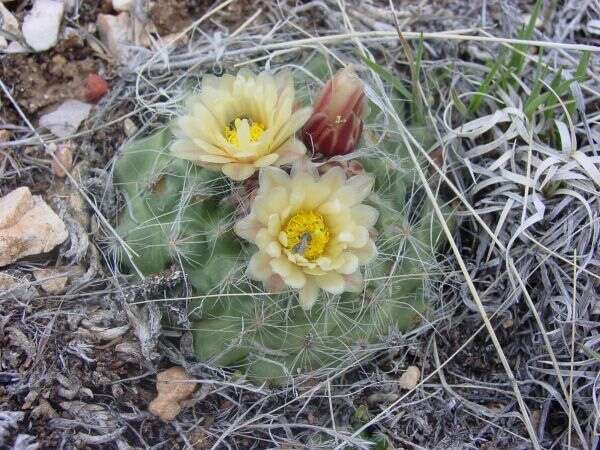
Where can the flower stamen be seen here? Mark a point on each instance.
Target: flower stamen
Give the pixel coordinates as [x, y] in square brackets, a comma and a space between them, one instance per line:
[307, 234]
[231, 134]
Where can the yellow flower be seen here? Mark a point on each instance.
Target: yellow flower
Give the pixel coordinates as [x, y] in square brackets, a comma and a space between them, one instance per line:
[240, 123]
[312, 232]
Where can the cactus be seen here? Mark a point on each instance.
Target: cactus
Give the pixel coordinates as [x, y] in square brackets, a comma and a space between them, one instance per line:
[178, 213]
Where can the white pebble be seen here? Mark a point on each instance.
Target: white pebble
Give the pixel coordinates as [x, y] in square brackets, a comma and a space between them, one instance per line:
[115, 33]
[40, 26]
[65, 120]
[410, 378]
[123, 5]
[9, 21]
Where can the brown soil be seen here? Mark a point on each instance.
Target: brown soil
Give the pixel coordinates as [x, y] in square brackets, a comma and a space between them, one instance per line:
[42, 79]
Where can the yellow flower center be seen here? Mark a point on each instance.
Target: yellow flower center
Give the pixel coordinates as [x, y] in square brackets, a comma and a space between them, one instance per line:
[256, 131]
[307, 234]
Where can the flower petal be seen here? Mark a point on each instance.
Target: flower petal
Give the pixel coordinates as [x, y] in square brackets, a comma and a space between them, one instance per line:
[364, 215]
[247, 228]
[270, 177]
[293, 124]
[290, 273]
[185, 149]
[271, 203]
[350, 264]
[263, 239]
[356, 189]
[308, 294]
[238, 171]
[334, 178]
[274, 224]
[273, 249]
[291, 151]
[367, 253]
[331, 282]
[266, 160]
[361, 237]
[259, 267]
[215, 159]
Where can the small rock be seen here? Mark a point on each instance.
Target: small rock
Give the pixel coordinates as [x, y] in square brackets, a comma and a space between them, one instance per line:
[129, 127]
[9, 22]
[64, 155]
[40, 26]
[410, 378]
[65, 120]
[4, 135]
[16, 47]
[13, 206]
[172, 387]
[52, 280]
[115, 33]
[28, 226]
[96, 87]
[3, 43]
[123, 5]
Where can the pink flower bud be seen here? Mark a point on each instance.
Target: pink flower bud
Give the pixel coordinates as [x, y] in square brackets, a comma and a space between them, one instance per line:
[337, 120]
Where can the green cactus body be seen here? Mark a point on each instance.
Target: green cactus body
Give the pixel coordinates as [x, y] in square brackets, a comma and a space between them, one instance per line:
[178, 213]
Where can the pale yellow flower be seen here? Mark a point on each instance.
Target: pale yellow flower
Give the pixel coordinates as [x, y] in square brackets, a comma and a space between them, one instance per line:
[238, 124]
[312, 232]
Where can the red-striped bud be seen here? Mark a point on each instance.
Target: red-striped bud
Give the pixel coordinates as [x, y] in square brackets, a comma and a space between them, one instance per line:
[337, 121]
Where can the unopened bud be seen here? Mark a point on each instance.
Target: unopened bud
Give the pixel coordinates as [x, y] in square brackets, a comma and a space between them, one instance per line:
[337, 121]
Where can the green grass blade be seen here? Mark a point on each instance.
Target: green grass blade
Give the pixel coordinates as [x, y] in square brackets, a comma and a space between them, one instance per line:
[580, 73]
[541, 72]
[485, 86]
[389, 77]
[548, 98]
[517, 60]
[582, 67]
